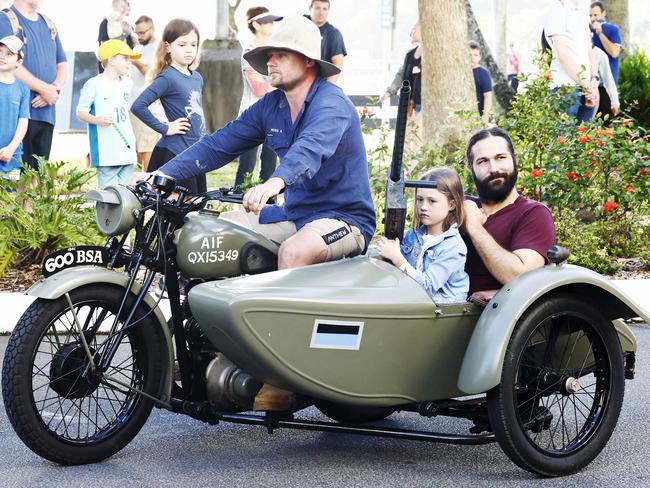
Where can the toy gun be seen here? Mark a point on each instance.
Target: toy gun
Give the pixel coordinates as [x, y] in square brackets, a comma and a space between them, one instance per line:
[395, 209]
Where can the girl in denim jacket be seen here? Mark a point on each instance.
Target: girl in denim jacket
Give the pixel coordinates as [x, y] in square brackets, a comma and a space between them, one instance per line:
[433, 253]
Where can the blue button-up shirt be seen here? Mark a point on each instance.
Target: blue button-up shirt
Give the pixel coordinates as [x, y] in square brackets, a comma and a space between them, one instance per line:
[322, 156]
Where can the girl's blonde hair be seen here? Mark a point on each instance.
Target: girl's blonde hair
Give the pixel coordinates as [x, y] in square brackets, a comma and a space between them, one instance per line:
[450, 186]
[173, 30]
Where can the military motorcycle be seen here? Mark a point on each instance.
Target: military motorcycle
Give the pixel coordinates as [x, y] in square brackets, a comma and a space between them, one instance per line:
[539, 367]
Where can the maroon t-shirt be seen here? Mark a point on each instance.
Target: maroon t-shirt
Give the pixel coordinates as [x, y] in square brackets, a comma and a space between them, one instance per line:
[524, 224]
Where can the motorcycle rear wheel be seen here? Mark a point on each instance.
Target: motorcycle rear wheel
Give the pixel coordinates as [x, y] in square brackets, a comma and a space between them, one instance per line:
[59, 412]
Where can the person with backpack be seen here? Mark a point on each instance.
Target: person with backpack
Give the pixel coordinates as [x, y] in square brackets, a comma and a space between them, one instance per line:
[44, 71]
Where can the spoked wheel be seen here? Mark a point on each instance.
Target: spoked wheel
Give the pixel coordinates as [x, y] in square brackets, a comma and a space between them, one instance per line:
[561, 390]
[62, 408]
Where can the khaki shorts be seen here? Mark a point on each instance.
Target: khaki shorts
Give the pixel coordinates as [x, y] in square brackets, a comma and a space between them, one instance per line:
[145, 137]
[342, 239]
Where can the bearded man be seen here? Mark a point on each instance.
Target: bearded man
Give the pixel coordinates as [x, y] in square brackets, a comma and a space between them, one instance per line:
[506, 234]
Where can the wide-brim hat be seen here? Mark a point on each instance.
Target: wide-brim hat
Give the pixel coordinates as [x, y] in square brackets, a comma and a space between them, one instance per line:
[297, 34]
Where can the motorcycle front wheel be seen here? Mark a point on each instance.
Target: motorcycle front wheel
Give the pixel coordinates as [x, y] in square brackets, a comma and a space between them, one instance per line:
[59, 406]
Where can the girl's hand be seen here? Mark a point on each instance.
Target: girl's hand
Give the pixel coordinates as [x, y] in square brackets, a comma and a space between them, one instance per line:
[389, 249]
[179, 126]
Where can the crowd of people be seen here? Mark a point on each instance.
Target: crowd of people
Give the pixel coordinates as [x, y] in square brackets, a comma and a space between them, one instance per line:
[145, 107]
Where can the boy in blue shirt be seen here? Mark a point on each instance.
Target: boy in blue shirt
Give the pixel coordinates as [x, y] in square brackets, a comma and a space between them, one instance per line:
[14, 105]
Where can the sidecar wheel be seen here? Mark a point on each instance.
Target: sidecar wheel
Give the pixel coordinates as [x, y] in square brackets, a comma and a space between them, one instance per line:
[353, 414]
[61, 413]
[562, 387]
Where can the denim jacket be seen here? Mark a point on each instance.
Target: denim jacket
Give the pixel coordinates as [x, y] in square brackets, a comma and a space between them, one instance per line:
[441, 271]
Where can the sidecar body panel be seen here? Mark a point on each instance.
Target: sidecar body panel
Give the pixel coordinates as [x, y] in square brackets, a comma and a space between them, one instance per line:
[481, 369]
[69, 279]
[357, 331]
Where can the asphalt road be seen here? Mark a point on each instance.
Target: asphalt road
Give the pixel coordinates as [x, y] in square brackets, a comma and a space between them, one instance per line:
[172, 450]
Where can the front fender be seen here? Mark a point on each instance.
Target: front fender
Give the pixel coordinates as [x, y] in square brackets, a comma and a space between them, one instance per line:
[69, 279]
[481, 367]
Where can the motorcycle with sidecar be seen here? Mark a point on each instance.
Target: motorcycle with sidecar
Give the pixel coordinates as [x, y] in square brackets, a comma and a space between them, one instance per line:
[539, 367]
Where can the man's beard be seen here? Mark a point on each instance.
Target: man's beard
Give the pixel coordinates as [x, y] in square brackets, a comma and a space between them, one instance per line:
[495, 194]
[143, 42]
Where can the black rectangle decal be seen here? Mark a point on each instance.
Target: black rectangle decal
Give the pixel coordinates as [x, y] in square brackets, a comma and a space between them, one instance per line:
[324, 328]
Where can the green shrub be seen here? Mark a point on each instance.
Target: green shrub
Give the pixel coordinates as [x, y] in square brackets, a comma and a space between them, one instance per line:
[597, 172]
[41, 212]
[634, 86]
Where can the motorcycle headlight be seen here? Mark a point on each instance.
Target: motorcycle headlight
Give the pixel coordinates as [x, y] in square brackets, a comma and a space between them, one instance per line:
[115, 208]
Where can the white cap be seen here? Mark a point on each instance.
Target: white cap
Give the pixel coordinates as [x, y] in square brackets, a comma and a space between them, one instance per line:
[14, 44]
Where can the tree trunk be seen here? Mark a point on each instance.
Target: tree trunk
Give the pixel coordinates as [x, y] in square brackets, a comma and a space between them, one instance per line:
[502, 92]
[618, 13]
[447, 83]
[500, 21]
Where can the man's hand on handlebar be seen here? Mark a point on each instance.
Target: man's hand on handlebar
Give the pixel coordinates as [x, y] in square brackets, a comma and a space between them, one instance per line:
[256, 197]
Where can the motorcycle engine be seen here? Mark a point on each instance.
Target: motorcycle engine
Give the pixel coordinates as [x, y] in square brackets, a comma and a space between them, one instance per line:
[229, 387]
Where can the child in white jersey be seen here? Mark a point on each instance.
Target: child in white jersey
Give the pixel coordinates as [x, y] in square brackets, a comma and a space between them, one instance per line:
[433, 253]
[104, 106]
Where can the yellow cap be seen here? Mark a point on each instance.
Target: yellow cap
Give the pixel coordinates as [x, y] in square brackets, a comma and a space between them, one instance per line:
[113, 47]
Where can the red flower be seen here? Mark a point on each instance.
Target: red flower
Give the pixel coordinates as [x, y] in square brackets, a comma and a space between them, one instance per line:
[364, 112]
[609, 132]
[584, 139]
[561, 140]
[627, 122]
[644, 171]
[600, 143]
[547, 75]
[572, 176]
[610, 206]
[536, 173]
[629, 188]
[582, 129]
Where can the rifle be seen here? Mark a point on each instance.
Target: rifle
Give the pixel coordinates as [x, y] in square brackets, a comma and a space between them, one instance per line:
[395, 209]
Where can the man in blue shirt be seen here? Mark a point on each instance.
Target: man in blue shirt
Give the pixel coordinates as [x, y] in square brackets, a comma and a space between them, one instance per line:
[605, 36]
[44, 71]
[332, 46]
[309, 122]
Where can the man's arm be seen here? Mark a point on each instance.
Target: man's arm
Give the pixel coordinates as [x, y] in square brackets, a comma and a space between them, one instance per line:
[487, 106]
[35, 84]
[612, 48]
[337, 60]
[504, 265]
[567, 62]
[142, 68]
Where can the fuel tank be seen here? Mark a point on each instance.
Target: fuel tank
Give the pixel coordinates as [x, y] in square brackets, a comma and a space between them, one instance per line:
[356, 331]
[208, 246]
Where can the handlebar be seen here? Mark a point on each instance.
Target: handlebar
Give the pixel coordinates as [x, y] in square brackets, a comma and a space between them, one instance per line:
[183, 198]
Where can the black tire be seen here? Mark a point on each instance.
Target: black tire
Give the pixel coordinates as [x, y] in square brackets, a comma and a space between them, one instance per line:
[353, 414]
[562, 387]
[59, 413]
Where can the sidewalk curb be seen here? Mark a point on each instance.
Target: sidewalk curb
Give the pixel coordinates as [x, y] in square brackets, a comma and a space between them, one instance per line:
[14, 304]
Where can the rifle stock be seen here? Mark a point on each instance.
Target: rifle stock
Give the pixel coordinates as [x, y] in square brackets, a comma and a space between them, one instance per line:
[395, 209]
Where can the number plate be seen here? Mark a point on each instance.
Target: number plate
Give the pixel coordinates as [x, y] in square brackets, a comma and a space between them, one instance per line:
[74, 256]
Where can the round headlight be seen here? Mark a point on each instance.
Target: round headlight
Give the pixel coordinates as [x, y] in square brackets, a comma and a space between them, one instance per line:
[114, 209]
